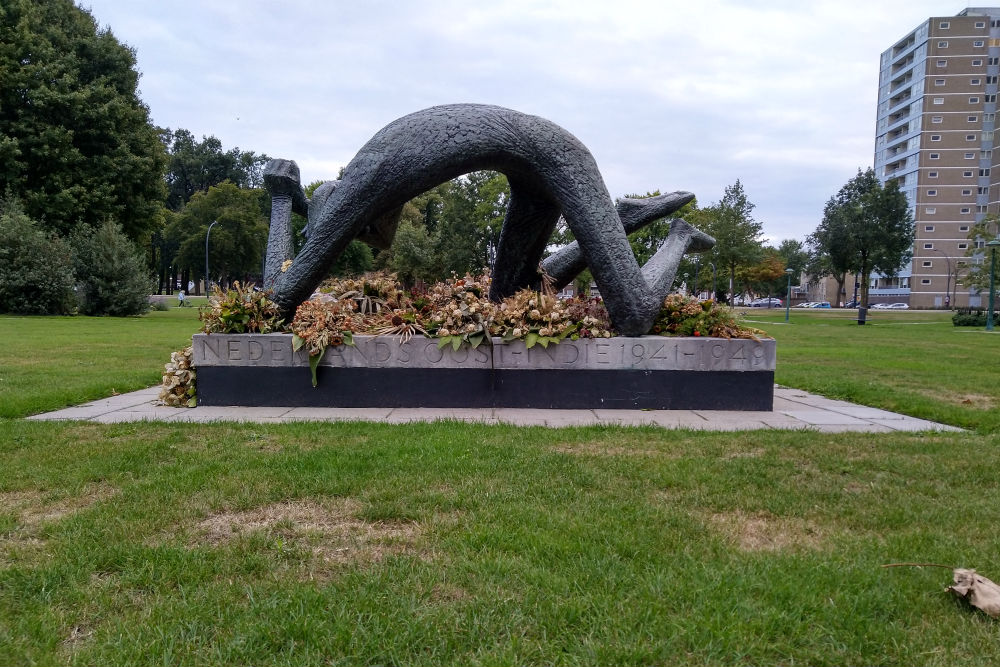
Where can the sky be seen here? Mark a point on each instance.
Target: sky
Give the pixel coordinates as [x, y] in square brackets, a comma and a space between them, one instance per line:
[667, 95]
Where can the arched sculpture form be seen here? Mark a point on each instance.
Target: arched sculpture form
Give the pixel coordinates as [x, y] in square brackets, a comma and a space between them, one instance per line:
[551, 173]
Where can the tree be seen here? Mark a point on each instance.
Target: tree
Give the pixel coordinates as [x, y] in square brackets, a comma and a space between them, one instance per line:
[76, 142]
[869, 226]
[978, 275]
[737, 234]
[766, 276]
[237, 242]
[111, 275]
[36, 269]
[195, 166]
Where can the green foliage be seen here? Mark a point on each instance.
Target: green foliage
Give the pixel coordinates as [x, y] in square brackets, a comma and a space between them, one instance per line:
[195, 166]
[241, 309]
[737, 235]
[110, 272]
[36, 270]
[414, 254]
[867, 228]
[76, 142]
[967, 317]
[236, 244]
[687, 316]
[978, 274]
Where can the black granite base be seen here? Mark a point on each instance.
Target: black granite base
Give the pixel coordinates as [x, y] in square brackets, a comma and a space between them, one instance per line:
[478, 388]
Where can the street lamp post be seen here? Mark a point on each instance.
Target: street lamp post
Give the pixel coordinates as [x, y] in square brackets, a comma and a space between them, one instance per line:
[788, 293]
[992, 245]
[214, 223]
[947, 289]
[712, 264]
[696, 277]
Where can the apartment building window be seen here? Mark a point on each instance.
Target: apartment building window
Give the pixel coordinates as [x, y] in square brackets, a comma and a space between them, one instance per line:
[990, 98]
[980, 24]
[932, 174]
[963, 228]
[986, 154]
[981, 208]
[944, 25]
[938, 100]
[975, 82]
[930, 210]
[979, 245]
[928, 228]
[984, 172]
[973, 119]
[967, 174]
[970, 156]
[973, 100]
[935, 137]
[992, 61]
[966, 193]
[932, 193]
[928, 246]
[927, 265]
[963, 246]
[965, 210]
[942, 45]
[989, 117]
[937, 119]
[982, 190]
[935, 156]
[925, 281]
[987, 136]
[991, 80]
[938, 82]
[942, 63]
[978, 43]
[970, 137]
[995, 23]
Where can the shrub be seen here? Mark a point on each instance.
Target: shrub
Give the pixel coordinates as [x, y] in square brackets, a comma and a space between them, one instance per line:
[967, 317]
[36, 271]
[110, 273]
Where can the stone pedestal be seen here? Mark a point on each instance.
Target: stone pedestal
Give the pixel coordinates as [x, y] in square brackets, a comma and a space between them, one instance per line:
[649, 372]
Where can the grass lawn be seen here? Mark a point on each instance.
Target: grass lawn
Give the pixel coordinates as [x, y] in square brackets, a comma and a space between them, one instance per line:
[452, 543]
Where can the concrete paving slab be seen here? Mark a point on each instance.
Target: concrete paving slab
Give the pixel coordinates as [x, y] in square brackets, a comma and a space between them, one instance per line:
[822, 417]
[793, 409]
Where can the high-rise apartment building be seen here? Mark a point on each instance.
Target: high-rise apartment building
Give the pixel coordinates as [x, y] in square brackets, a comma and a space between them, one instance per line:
[937, 106]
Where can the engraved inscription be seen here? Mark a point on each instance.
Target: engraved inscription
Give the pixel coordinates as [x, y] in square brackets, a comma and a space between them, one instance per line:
[233, 352]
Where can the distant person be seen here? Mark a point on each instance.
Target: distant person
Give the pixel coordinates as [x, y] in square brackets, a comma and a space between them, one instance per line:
[180, 299]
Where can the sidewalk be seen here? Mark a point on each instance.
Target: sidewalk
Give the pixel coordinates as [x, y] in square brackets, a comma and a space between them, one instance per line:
[793, 409]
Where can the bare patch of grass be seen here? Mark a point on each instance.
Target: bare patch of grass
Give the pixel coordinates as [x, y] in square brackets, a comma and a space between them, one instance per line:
[762, 531]
[330, 531]
[33, 508]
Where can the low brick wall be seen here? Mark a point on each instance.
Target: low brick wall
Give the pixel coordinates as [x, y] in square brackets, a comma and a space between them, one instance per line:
[649, 372]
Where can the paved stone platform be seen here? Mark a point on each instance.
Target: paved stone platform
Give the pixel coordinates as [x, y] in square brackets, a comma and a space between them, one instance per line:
[793, 409]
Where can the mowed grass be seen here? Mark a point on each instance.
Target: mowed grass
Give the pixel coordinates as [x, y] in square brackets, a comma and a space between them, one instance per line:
[453, 543]
[48, 363]
[914, 362]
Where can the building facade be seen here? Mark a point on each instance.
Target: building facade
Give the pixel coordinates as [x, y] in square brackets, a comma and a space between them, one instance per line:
[935, 128]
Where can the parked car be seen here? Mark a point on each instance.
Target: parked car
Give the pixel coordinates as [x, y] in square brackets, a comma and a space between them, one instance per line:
[807, 304]
[899, 306]
[766, 303]
[854, 303]
[820, 304]
[880, 306]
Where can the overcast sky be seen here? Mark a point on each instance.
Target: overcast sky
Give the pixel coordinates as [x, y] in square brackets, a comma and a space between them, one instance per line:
[667, 95]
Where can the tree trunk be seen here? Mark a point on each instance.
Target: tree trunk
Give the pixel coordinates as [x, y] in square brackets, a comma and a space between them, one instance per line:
[841, 278]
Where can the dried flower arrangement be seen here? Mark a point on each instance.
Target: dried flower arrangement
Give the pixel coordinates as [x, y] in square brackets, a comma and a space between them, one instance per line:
[241, 309]
[178, 389]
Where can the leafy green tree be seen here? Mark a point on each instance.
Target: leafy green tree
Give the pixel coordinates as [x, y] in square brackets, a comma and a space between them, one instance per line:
[76, 142]
[195, 166]
[36, 269]
[111, 276]
[237, 242]
[873, 225]
[414, 254]
[978, 274]
[737, 234]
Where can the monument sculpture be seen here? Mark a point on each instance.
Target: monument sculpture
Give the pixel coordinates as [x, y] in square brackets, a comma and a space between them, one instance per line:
[551, 174]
